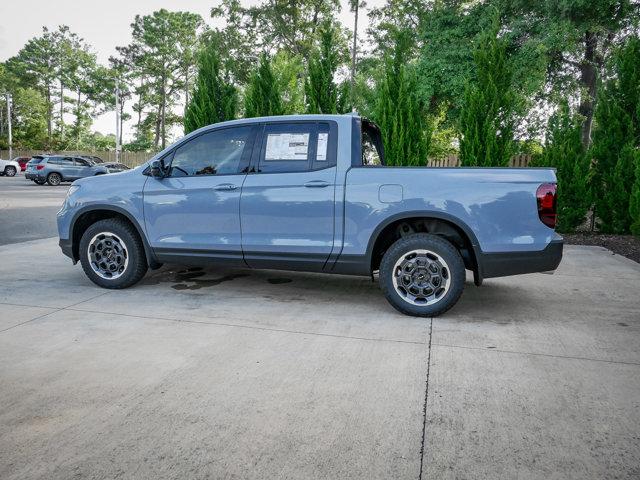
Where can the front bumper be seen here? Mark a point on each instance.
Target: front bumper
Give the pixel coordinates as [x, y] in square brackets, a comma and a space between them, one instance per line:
[66, 245]
[516, 263]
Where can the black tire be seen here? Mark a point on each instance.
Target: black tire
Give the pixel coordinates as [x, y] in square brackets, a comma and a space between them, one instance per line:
[136, 267]
[454, 275]
[54, 179]
[40, 182]
[10, 171]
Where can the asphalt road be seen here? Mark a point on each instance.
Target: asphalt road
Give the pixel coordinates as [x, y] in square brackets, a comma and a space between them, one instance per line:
[205, 373]
[28, 211]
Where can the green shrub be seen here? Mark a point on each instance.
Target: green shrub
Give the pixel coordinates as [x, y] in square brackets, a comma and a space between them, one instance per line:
[564, 152]
[263, 96]
[634, 201]
[615, 141]
[214, 100]
[398, 112]
[489, 104]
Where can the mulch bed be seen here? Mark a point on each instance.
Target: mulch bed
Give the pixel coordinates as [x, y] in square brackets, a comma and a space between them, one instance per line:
[626, 245]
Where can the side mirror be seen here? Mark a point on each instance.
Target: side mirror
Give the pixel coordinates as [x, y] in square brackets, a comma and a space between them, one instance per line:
[157, 169]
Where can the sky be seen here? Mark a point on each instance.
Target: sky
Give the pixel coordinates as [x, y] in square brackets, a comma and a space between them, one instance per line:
[105, 25]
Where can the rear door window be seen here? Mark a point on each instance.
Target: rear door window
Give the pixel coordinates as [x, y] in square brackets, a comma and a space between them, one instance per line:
[296, 147]
[82, 162]
[60, 161]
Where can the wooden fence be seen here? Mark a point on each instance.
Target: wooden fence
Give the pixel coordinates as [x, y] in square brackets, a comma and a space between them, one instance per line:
[133, 159]
[454, 161]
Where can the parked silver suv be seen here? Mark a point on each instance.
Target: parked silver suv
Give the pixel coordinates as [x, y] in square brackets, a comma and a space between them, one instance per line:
[57, 168]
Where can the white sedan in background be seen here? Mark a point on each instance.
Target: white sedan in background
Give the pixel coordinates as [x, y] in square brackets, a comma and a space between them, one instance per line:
[9, 167]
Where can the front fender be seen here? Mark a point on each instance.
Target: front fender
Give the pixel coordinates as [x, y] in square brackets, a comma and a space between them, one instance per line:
[74, 240]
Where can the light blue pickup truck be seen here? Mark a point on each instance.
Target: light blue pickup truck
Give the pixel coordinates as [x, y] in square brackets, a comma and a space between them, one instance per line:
[312, 193]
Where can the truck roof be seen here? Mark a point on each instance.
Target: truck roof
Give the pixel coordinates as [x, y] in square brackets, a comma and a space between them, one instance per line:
[281, 118]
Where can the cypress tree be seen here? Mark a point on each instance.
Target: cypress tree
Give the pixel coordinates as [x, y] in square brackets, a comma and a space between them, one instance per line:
[263, 97]
[634, 201]
[564, 152]
[320, 87]
[214, 100]
[616, 140]
[398, 112]
[488, 108]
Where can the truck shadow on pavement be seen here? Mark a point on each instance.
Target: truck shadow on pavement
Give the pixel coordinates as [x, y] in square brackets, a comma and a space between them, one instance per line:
[476, 304]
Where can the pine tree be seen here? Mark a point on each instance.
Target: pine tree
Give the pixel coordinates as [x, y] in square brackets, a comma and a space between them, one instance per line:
[616, 140]
[631, 85]
[214, 100]
[263, 97]
[320, 87]
[398, 112]
[488, 107]
[634, 201]
[564, 152]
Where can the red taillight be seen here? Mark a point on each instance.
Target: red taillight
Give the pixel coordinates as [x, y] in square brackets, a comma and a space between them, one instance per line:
[39, 167]
[547, 202]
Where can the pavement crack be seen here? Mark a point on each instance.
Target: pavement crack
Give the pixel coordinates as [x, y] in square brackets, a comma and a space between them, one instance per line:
[30, 320]
[250, 327]
[535, 354]
[55, 310]
[426, 397]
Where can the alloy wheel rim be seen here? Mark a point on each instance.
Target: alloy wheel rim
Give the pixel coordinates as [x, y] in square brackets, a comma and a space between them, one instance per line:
[108, 255]
[421, 277]
[54, 178]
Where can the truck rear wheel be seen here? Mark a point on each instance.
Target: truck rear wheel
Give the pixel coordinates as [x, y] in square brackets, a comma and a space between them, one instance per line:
[422, 275]
[112, 254]
[54, 179]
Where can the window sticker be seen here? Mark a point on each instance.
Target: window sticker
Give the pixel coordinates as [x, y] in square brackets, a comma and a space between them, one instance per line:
[323, 139]
[287, 146]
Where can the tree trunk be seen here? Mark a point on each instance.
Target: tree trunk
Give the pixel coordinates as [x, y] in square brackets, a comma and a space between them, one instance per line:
[2, 122]
[186, 88]
[121, 120]
[61, 108]
[588, 81]
[49, 115]
[156, 138]
[163, 113]
[139, 109]
[353, 54]
[78, 119]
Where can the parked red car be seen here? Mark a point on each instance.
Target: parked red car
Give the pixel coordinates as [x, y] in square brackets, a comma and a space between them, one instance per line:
[23, 162]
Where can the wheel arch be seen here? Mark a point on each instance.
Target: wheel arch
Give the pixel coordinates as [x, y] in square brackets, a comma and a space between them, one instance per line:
[439, 223]
[87, 216]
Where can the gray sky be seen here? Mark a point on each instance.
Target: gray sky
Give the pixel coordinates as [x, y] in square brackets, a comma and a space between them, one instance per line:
[104, 25]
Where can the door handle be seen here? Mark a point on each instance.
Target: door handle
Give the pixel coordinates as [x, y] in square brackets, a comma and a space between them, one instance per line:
[226, 187]
[317, 184]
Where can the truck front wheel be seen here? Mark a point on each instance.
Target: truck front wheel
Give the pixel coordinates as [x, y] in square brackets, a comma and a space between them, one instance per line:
[422, 275]
[112, 254]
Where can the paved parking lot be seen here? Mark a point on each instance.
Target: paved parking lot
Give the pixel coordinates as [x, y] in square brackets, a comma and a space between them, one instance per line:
[28, 211]
[208, 373]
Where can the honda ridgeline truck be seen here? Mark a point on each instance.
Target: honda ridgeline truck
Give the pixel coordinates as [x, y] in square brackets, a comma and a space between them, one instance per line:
[312, 193]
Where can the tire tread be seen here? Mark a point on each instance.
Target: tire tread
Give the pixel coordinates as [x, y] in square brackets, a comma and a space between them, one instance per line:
[415, 242]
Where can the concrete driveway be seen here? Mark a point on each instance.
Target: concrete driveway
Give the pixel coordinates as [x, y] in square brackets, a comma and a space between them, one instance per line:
[238, 374]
